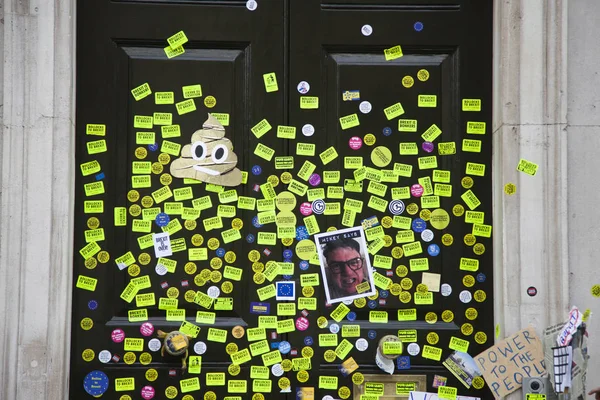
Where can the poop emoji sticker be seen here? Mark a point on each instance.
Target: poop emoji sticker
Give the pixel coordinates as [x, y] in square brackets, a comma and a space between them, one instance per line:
[210, 157]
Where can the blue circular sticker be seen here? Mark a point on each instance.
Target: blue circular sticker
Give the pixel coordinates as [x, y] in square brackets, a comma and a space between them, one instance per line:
[433, 250]
[287, 253]
[95, 383]
[153, 147]
[301, 233]
[418, 26]
[284, 347]
[419, 225]
[308, 341]
[372, 334]
[351, 316]
[387, 131]
[256, 170]
[162, 219]
[220, 252]
[92, 304]
[383, 294]
[334, 328]
[250, 238]
[372, 304]
[255, 222]
[480, 277]
[303, 265]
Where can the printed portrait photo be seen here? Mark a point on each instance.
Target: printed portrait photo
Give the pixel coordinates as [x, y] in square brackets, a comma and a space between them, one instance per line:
[345, 264]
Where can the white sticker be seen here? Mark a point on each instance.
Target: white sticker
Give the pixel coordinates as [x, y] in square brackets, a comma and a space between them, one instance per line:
[327, 397]
[303, 87]
[465, 296]
[162, 244]
[308, 130]
[160, 269]
[413, 349]
[347, 302]
[362, 344]
[104, 356]
[334, 328]
[427, 235]
[154, 344]
[446, 289]
[213, 292]
[200, 348]
[277, 370]
[366, 30]
[251, 5]
[365, 107]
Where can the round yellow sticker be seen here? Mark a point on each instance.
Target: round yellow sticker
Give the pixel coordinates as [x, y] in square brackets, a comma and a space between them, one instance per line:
[144, 258]
[164, 158]
[151, 375]
[147, 201]
[478, 382]
[166, 179]
[93, 223]
[479, 296]
[283, 383]
[447, 316]
[133, 270]
[423, 75]
[285, 201]
[210, 101]
[458, 210]
[381, 156]
[369, 139]
[344, 392]
[479, 249]
[425, 215]
[360, 303]
[510, 189]
[285, 218]
[141, 153]
[302, 376]
[405, 297]
[447, 239]
[397, 252]
[412, 208]
[358, 378]
[467, 182]
[145, 358]
[190, 268]
[402, 271]
[91, 263]
[406, 283]
[88, 355]
[129, 357]
[86, 324]
[480, 337]
[440, 219]
[305, 249]
[468, 280]
[133, 196]
[471, 313]
[286, 177]
[171, 392]
[470, 239]
[408, 81]
[466, 329]
[431, 317]
[433, 338]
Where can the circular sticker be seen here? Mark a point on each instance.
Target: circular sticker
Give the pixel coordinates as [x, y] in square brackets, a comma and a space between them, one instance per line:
[147, 329]
[118, 335]
[344, 392]
[129, 357]
[171, 392]
[151, 375]
[471, 313]
[427, 235]
[468, 280]
[413, 349]
[301, 324]
[104, 356]
[408, 81]
[531, 291]
[439, 219]
[306, 208]
[427, 147]
[303, 87]
[381, 156]
[210, 101]
[355, 142]
[308, 130]
[418, 225]
[401, 271]
[469, 239]
[466, 329]
[423, 75]
[465, 296]
[147, 392]
[510, 189]
[366, 30]
[433, 338]
[305, 249]
[334, 328]
[86, 324]
[154, 344]
[479, 249]
[362, 344]
[251, 5]
[458, 210]
[231, 348]
[277, 369]
[88, 355]
[365, 107]
[447, 239]
[418, 26]
[467, 182]
[200, 348]
[431, 318]
[95, 383]
[369, 139]
[433, 250]
[358, 378]
[478, 382]
[416, 190]
[445, 289]
[480, 337]
[447, 316]
[307, 352]
[160, 269]
[322, 322]
[479, 296]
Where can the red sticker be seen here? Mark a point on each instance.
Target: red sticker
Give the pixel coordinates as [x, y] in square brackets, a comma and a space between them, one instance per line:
[532, 291]
[118, 335]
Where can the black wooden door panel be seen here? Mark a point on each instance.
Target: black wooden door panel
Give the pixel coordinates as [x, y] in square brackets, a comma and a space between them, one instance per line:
[120, 48]
[335, 57]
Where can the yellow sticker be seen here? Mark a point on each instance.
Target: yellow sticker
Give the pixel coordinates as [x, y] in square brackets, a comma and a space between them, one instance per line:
[186, 106]
[270, 80]
[349, 121]
[309, 103]
[210, 101]
[471, 104]
[432, 353]
[393, 53]
[381, 156]
[527, 167]
[393, 111]
[427, 100]
[141, 91]
[95, 129]
[408, 81]
[124, 384]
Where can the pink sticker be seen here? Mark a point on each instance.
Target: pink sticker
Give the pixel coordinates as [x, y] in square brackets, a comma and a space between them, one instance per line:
[147, 392]
[315, 179]
[118, 335]
[355, 143]
[306, 208]
[416, 190]
[302, 324]
[147, 329]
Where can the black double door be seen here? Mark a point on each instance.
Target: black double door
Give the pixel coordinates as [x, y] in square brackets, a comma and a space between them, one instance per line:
[338, 49]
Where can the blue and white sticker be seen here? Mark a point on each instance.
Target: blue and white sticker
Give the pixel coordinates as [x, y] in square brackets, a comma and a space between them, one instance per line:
[387, 131]
[95, 383]
[256, 170]
[250, 238]
[419, 225]
[308, 341]
[396, 207]
[433, 250]
[372, 334]
[255, 222]
[303, 265]
[162, 219]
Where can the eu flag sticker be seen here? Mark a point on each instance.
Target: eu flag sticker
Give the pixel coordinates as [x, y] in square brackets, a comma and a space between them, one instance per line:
[403, 362]
[286, 290]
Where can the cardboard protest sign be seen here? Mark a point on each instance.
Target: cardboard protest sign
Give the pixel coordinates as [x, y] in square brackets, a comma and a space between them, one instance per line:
[506, 364]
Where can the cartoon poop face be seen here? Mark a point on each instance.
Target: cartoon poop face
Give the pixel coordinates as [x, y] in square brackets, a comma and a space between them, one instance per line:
[210, 157]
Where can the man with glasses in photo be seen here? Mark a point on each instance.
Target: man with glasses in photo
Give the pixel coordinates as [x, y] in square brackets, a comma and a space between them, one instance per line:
[345, 267]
